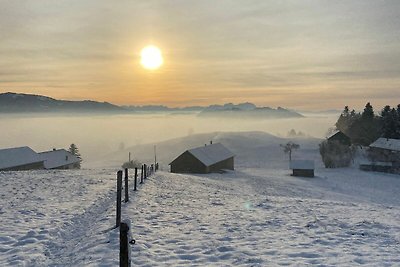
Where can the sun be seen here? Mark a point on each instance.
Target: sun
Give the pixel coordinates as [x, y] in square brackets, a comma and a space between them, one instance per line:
[151, 57]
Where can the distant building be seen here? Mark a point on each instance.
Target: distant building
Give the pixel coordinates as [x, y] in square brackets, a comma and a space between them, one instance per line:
[384, 154]
[59, 159]
[20, 158]
[304, 168]
[205, 159]
[340, 137]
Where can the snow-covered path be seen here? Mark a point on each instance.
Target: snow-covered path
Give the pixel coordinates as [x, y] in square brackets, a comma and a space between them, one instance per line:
[254, 219]
[47, 215]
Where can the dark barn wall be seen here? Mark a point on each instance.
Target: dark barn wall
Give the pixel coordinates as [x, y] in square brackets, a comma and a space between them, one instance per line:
[227, 164]
[341, 138]
[384, 155]
[303, 173]
[66, 167]
[375, 168]
[31, 166]
[187, 163]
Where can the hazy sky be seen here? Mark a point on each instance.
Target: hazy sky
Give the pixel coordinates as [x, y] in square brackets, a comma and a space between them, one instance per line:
[300, 54]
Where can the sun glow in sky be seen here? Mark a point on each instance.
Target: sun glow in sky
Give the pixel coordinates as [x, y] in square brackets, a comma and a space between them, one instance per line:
[151, 57]
[297, 54]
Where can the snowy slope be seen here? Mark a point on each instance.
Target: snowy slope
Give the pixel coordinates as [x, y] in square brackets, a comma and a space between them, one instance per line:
[256, 218]
[258, 215]
[46, 214]
[251, 149]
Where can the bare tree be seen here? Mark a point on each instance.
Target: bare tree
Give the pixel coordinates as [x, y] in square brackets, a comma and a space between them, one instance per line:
[289, 147]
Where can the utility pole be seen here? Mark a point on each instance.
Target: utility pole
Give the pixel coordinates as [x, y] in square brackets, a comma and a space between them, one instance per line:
[155, 156]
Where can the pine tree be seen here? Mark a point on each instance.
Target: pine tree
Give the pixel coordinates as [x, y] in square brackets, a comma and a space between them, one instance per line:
[398, 122]
[368, 113]
[73, 149]
[343, 122]
[387, 121]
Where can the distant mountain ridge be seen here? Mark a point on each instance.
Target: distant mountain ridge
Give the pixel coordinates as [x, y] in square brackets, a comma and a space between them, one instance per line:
[20, 103]
[247, 110]
[162, 108]
[14, 102]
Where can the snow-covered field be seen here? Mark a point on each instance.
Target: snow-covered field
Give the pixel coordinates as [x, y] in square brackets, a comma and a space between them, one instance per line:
[47, 216]
[258, 215]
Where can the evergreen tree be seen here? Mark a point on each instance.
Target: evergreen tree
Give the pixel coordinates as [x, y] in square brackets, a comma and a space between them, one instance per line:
[387, 122]
[385, 111]
[343, 122]
[365, 128]
[398, 122]
[73, 149]
[368, 113]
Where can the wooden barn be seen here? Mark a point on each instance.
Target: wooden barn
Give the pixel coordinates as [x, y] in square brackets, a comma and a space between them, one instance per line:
[19, 159]
[59, 159]
[205, 159]
[340, 137]
[303, 168]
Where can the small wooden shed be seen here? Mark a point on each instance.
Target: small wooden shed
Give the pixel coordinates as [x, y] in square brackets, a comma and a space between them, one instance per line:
[304, 168]
[204, 159]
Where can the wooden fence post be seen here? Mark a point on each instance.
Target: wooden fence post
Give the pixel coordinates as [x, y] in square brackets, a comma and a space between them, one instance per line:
[145, 171]
[141, 175]
[135, 184]
[126, 186]
[119, 189]
[124, 259]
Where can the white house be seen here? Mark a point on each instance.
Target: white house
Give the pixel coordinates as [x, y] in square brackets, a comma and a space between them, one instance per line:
[59, 159]
[20, 158]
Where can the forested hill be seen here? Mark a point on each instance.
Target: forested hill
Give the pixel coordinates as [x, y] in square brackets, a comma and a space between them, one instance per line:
[13, 102]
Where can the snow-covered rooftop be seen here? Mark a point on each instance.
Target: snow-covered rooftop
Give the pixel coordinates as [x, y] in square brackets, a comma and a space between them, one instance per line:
[302, 164]
[57, 158]
[211, 154]
[333, 134]
[387, 143]
[18, 156]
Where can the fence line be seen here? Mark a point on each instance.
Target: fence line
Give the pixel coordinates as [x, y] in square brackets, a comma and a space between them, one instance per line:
[146, 171]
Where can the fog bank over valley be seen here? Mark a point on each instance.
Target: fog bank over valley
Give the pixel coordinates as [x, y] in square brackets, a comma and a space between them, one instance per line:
[100, 135]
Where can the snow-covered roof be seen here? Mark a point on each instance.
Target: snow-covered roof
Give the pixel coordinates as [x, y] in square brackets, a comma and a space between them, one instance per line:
[337, 132]
[302, 164]
[387, 143]
[57, 158]
[18, 156]
[333, 134]
[211, 154]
